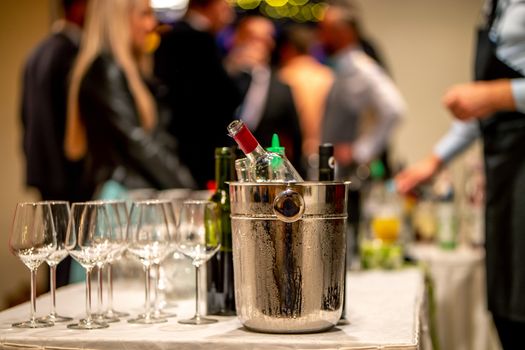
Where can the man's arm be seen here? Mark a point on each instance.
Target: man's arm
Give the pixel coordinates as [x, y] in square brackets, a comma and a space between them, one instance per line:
[459, 137]
[481, 99]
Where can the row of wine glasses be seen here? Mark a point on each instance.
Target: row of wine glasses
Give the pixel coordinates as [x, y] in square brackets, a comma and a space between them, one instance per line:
[98, 233]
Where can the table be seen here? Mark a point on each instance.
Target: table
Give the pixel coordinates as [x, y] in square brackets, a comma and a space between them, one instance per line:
[384, 310]
[463, 322]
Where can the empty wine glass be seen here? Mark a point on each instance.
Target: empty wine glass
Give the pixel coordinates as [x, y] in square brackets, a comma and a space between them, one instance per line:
[174, 266]
[149, 242]
[198, 237]
[32, 240]
[60, 214]
[118, 216]
[157, 267]
[116, 237]
[88, 242]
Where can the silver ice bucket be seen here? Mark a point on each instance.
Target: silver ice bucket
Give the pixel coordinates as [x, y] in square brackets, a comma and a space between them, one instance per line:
[289, 249]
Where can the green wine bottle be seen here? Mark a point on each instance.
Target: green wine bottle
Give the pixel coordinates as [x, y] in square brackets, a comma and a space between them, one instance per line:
[220, 287]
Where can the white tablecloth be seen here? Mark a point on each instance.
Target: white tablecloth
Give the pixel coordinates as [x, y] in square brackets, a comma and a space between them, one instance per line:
[463, 323]
[383, 308]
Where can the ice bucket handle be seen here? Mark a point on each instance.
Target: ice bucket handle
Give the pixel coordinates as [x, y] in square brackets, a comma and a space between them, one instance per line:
[288, 206]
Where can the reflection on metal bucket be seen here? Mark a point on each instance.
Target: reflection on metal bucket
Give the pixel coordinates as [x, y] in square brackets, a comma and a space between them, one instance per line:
[289, 264]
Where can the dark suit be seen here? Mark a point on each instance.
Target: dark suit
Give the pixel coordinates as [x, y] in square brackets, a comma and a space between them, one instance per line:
[203, 98]
[280, 117]
[44, 103]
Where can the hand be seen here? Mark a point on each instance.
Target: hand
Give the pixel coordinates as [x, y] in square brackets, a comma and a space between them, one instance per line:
[420, 172]
[343, 153]
[479, 99]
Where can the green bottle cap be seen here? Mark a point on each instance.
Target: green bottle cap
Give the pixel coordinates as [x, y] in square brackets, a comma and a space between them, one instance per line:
[276, 146]
[377, 170]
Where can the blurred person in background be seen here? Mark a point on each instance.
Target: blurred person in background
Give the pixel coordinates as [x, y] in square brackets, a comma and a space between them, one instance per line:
[45, 85]
[203, 98]
[362, 108]
[309, 80]
[361, 87]
[113, 119]
[493, 107]
[268, 106]
[43, 112]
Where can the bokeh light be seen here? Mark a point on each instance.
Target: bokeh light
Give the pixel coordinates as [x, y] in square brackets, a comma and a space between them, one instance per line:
[248, 4]
[296, 10]
[276, 3]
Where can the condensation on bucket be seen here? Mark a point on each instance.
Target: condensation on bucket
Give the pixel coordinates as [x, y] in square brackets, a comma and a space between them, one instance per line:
[289, 276]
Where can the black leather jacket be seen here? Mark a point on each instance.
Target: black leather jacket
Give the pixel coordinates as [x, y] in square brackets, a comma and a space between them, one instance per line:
[118, 147]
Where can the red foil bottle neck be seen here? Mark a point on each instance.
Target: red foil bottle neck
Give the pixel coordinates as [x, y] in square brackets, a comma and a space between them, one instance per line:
[246, 141]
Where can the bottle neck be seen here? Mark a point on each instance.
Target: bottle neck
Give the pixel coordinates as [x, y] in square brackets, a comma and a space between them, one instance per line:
[257, 152]
[326, 167]
[224, 170]
[245, 139]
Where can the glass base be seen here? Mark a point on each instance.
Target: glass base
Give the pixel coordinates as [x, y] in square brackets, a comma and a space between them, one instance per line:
[33, 324]
[116, 313]
[163, 314]
[54, 318]
[84, 324]
[105, 318]
[198, 320]
[142, 319]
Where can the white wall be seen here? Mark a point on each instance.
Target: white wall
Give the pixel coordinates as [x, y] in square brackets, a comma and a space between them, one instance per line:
[428, 45]
[22, 24]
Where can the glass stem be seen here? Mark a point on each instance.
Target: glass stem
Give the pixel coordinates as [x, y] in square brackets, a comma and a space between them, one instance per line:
[110, 287]
[100, 290]
[157, 280]
[147, 304]
[197, 292]
[88, 295]
[53, 283]
[33, 295]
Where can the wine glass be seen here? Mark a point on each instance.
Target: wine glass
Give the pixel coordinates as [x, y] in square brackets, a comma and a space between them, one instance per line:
[117, 219]
[118, 216]
[198, 237]
[157, 267]
[88, 242]
[60, 213]
[174, 267]
[33, 240]
[149, 242]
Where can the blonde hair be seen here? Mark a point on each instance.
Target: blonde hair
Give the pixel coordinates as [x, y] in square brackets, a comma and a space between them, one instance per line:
[107, 30]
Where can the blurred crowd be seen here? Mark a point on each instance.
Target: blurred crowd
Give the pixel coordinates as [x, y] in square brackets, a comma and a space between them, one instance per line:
[114, 100]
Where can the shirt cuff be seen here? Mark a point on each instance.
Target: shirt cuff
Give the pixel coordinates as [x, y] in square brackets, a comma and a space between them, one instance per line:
[518, 93]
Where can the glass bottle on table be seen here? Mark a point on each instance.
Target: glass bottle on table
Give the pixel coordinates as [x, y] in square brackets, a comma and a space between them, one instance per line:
[326, 162]
[220, 288]
[381, 246]
[264, 166]
[445, 211]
